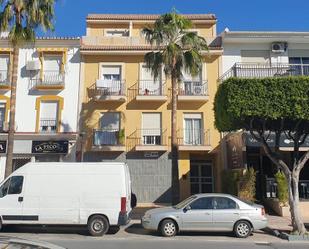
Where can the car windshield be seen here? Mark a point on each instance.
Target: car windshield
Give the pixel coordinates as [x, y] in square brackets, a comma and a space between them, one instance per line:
[184, 202]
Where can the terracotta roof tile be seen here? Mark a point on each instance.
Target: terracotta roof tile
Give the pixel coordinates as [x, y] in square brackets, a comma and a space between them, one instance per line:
[129, 48]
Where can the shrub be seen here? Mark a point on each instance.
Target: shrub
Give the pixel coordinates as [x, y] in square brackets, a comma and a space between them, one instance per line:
[230, 180]
[282, 188]
[246, 188]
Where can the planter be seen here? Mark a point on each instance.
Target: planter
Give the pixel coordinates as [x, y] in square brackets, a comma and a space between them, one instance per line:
[277, 207]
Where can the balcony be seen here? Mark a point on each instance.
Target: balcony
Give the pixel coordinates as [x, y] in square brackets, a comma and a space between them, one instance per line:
[108, 140]
[108, 90]
[48, 125]
[194, 140]
[151, 140]
[258, 70]
[193, 91]
[50, 80]
[113, 41]
[149, 90]
[4, 80]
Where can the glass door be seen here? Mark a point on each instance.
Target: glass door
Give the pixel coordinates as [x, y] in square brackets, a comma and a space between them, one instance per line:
[201, 178]
[193, 131]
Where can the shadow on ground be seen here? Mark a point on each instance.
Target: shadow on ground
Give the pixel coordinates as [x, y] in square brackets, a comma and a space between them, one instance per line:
[80, 230]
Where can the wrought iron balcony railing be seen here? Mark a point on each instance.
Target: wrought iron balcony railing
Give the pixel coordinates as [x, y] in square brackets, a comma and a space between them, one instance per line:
[151, 137]
[194, 137]
[48, 125]
[107, 88]
[103, 137]
[151, 88]
[193, 88]
[261, 70]
[49, 79]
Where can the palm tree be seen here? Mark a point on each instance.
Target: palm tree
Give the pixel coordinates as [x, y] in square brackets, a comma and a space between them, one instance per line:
[21, 19]
[175, 49]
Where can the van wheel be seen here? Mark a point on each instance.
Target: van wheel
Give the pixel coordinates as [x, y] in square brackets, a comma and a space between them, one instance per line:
[242, 229]
[168, 228]
[98, 225]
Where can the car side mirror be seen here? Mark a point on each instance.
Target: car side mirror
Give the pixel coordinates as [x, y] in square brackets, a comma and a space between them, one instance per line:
[187, 208]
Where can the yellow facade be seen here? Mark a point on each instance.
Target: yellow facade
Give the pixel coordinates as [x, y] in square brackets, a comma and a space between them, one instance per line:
[131, 109]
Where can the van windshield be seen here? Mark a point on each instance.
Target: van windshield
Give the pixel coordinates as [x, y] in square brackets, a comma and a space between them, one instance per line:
[185, 202]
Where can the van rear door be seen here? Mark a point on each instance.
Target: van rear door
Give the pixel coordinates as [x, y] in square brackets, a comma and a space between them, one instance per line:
[11, 200]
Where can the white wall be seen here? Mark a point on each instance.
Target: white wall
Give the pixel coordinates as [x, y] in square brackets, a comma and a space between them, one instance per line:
[26, 100]
[232, 52]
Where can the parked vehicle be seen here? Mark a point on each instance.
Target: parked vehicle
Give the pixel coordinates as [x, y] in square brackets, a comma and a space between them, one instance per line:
[94, 194]
[207, 212]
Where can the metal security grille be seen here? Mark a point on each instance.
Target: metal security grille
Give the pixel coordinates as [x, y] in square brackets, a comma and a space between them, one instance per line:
[19, 162]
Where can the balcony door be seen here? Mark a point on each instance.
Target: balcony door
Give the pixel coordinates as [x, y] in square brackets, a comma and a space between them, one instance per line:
[193, 129]
[148, 84]
[48, 116]
[52, 69]
[110, 79]
[151, 129]
[4, 66]
[109, 129]
[191, 85]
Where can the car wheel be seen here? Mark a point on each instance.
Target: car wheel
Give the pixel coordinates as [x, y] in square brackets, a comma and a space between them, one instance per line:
[168, 228]
[242, 229]
[98, 225]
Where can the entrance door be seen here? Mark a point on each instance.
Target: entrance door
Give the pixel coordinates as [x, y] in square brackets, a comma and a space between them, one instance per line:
[201, 177]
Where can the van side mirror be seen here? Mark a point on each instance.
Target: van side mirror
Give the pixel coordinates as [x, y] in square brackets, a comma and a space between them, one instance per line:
[186, 208]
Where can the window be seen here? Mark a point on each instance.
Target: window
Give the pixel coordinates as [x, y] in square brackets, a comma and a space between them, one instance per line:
[117, 33]
[111, 80]
[148, 84]
[109, 126]
[193, 129]
[2, 115]
[202, 203]
[151, 128]
[4, 188]
[224, 203]
[12, 186]
[4, 68]
[191, 85]
[16, 185]
[300, 65]
[48, 116]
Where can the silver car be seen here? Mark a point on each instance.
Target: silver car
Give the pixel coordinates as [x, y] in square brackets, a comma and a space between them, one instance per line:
[207, 212]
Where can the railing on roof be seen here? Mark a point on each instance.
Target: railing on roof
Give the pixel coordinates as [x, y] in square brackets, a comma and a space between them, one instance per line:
[263, 70]
[113, 41]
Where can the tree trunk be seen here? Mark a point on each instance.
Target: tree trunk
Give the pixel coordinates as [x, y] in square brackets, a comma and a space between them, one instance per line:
[297, 223]
[175, 174]
[9, 157]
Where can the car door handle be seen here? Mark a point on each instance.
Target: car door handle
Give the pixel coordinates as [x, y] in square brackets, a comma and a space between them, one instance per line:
[20, 198]
[207, 213]
[235, 213]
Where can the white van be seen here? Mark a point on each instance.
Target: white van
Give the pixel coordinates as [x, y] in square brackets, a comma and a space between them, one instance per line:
[94, 194]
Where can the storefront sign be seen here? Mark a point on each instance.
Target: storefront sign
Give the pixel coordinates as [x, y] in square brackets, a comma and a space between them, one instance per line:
[235, 153]
[284, 141]
[50, 147]
[2, 146]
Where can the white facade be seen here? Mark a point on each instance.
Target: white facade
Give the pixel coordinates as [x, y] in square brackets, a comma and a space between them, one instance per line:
[236, 44]
[32, 91]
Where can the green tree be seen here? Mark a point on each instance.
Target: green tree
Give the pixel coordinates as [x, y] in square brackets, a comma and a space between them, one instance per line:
[21, 19]
[270, 106]
[175, 49]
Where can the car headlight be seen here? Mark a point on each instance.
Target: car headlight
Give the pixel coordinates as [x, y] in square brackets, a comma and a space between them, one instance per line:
[147, 216]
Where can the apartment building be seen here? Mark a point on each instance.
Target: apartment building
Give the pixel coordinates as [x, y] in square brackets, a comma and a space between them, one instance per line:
[258, 55]
[47, 98]
[126, 113]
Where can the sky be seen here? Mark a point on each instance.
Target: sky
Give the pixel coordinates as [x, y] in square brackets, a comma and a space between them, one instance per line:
[263, 15]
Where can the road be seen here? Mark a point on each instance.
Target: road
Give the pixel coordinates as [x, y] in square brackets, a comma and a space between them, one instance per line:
[134, 237]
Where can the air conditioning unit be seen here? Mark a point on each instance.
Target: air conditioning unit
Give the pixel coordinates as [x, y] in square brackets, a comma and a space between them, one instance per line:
[33, 65]
[279, 47]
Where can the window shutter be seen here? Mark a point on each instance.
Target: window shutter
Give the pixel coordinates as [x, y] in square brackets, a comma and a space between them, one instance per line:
[52, 63]
[49, 110]
[111, 70]
[4, 62]
[151, 122]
